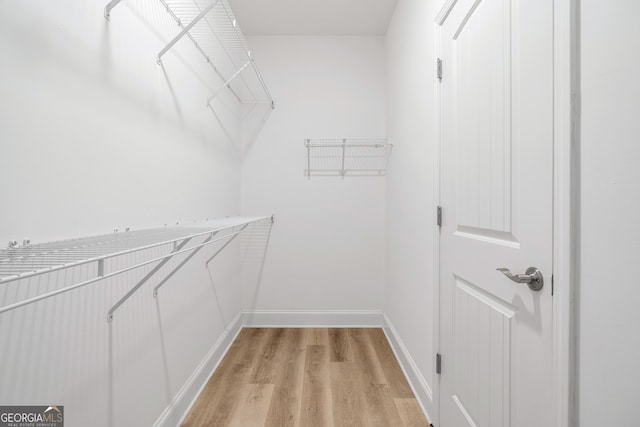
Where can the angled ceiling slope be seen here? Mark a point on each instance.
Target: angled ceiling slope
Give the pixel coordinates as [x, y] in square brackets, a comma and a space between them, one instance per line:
[313, 17]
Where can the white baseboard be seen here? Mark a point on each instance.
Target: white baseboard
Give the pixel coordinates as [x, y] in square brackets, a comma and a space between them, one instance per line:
[418, 384]
[179, 407]
[313, 318]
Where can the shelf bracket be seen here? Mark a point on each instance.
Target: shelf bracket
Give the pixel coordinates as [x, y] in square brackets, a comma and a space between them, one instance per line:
[144, 279]
[100, 268]
[344, 147]
[184, 261]
[228, 82]
[185, 30]
[206, 242]
[307, 143]
[206, 264]
[108, 7]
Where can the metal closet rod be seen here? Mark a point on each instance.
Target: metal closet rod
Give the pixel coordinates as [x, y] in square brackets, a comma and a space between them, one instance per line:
[163, 259]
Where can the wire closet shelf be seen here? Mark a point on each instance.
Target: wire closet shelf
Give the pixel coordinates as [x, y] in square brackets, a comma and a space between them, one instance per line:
[33, 260]
[347, 157]
[214, 30]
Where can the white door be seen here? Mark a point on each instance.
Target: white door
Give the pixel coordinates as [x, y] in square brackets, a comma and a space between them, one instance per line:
[496, 195]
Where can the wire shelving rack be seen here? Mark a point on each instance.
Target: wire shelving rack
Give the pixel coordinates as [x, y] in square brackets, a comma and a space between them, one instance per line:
[25, 262]
[214, 31]
[347, 157]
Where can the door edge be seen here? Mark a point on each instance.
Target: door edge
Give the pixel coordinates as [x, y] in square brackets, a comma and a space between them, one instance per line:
[566, 217]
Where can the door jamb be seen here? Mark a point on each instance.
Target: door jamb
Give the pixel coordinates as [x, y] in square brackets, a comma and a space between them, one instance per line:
[437, 165]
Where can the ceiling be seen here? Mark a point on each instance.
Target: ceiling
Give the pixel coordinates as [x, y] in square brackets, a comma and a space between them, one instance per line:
[313, 17]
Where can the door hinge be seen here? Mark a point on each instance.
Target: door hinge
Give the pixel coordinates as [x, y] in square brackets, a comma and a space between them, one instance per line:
[552, 285]
[439, 216]
[439, 69]
[438, 363]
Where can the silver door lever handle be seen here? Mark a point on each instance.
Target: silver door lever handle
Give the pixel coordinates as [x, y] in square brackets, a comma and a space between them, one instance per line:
[531, 277]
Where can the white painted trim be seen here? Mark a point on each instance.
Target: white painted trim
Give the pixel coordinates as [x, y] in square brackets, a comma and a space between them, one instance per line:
[312, 318]
[181, 404]
[437, 167]
[566, 209]
[418, 384]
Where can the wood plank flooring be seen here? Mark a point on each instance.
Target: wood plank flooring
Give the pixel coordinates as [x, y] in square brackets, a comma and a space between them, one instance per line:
[276, 377]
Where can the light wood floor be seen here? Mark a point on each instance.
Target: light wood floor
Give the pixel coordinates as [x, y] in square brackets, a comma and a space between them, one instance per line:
[308, 377]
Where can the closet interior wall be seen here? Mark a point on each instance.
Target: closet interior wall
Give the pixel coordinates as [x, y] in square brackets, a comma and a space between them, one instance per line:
[96, 135]
[326, 253]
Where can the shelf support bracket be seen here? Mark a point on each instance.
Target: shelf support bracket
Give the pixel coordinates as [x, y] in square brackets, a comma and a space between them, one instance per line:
[108, 7]
[344, 147]
[307, 143]
[184, 261]
[185, 30]
[206, 264]
[100, 268]
[144, 280]
[269, 111]
[228, 82]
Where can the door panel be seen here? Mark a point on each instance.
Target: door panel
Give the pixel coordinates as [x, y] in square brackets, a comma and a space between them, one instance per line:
[482, 340]
[481, 92]
[496, 194]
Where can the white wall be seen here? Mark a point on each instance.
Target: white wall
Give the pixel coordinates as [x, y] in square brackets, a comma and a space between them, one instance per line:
[609, 344]
[327, 247]
[411, 185]
[94, 135]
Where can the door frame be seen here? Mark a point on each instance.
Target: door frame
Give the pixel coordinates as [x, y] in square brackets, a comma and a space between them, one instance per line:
[566, 207]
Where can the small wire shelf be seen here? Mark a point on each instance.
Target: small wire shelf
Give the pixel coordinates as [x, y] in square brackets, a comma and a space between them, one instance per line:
[347, 157]
[214, 31]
